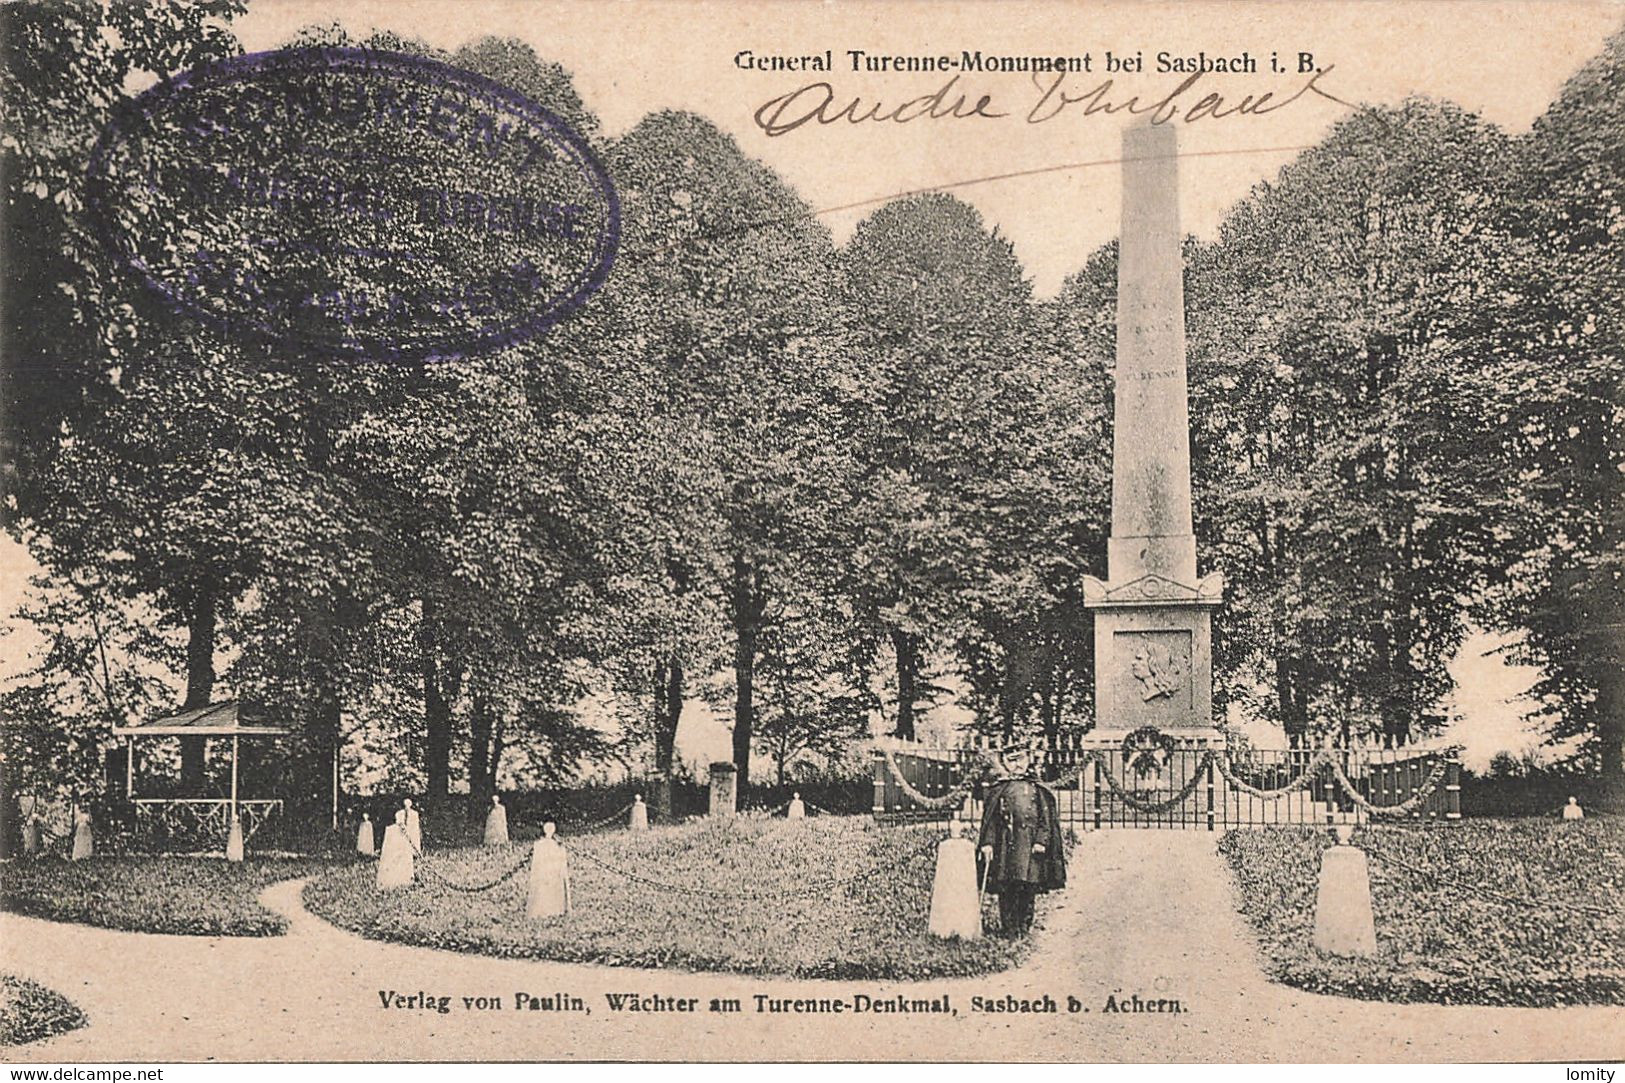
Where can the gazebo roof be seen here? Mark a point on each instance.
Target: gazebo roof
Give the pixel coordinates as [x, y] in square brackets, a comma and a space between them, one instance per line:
[229, 719]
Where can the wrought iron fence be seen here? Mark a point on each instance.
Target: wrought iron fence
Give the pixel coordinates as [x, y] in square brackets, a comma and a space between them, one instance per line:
[1177, 783]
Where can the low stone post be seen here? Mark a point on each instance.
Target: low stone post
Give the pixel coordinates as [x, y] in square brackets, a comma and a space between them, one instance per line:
[956, 904]
[396, 866]
[366, 837]
[797, 809]
[413, 826]
[84, 841]
[1572, 810]
[549, 892]
[724, 789]
[638, 818]
[496, 823]
[1344, 924]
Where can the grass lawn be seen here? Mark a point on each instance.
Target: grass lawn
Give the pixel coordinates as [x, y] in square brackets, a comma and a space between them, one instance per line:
[1442, 942]
[29, 1011]
[873, 927]
[185, 895]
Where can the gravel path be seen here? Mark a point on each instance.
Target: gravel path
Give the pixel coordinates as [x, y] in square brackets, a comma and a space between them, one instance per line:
[1148, 914]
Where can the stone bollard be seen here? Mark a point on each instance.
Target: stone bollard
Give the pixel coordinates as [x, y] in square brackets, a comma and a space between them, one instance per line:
[496, 823]
[724, 783]
[414, 827]
[1343, 921]
[638, 818]
[956, 904]
[395, 863]
[1573, 811]
[84, 842]
[234, 840]
[366, 838]
[549, 894]
[797, 810]
[31, 836]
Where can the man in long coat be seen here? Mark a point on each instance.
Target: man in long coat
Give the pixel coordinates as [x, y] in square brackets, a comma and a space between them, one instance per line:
[1021, 846]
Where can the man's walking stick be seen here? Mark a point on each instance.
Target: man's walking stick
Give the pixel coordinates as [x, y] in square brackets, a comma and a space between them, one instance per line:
[981, 884]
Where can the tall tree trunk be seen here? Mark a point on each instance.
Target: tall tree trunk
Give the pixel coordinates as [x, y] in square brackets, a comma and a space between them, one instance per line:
[200, 628]
[1292, 693]
[436, 712]
[748, 606]
[668, 711]
[10, 811]
[1610, 707]
[907, 647]
[329, 726]
[665, 739]
[480, 783]
[1020, 668]
[499, 731]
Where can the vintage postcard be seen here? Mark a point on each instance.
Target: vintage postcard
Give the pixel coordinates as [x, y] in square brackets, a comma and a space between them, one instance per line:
[855, 531]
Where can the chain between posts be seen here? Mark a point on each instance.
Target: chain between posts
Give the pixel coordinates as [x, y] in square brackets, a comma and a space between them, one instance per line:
[468, 889]
[767, 811]
[473, 889]
[611, 818]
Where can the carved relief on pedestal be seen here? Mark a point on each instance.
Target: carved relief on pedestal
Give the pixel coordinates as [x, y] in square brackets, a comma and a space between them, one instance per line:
[1154, 671]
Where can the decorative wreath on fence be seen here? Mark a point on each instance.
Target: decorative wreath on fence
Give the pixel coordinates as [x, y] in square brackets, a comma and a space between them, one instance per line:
[1146, 750]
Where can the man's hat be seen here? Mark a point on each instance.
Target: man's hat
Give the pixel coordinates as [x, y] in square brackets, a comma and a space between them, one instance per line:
[1019, 746]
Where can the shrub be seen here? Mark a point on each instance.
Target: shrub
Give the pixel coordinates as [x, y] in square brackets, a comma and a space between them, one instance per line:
[30, 1012]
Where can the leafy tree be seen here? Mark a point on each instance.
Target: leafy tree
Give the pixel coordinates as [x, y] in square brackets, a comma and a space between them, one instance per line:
[1555, 344]
[74, 328]
[1340, 411]
[808, 702]
[937, 305]
[723, 292]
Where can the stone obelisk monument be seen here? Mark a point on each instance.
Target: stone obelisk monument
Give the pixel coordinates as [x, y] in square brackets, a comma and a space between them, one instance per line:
[1153, 638]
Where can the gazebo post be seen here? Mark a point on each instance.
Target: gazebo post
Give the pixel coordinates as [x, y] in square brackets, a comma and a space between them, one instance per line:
[129, 767]
[234, 743]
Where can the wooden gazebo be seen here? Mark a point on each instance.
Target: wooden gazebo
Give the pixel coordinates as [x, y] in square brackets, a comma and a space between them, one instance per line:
[210, 817]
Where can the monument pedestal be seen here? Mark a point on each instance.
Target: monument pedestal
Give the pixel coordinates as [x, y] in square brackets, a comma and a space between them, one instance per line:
[1154, 653]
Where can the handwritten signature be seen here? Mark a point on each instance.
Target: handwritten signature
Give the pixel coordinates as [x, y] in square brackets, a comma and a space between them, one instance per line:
[819, 103]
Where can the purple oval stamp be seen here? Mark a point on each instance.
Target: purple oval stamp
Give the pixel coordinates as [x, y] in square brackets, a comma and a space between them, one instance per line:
[354, 203]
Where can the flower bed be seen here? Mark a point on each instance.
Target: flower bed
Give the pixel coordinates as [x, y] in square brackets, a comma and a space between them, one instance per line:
[29, 1011]
[1445, 931]
[181, 895]
[748, 907]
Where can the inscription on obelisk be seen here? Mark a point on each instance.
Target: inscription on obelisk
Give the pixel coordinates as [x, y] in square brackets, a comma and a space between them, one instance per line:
[1153, 639]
